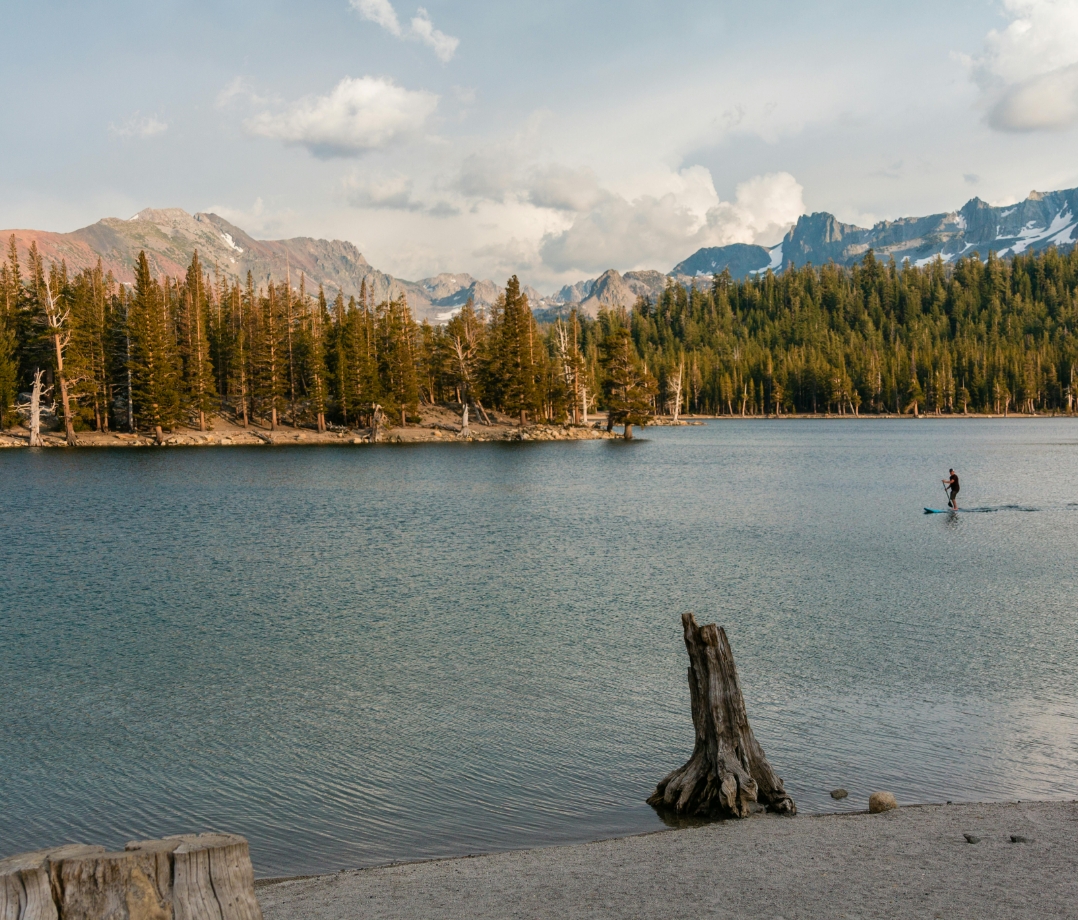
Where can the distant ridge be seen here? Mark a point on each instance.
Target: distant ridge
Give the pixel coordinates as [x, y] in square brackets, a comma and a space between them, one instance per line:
[1040, 221]
[169, 237]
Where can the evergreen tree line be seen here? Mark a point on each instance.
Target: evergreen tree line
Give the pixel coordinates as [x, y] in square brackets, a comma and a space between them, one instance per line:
[167, 351]
[996, 336]
[992, 336]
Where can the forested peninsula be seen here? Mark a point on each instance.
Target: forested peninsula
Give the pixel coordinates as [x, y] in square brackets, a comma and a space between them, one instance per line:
[86, 353]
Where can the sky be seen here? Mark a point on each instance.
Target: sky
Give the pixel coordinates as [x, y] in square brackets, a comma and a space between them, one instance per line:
[551, 140]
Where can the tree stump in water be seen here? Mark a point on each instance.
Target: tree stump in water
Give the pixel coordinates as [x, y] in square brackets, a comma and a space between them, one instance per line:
[728, 775]
[190, 877]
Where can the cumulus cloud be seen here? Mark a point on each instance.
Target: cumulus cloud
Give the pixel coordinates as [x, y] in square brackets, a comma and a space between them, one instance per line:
[139, 126]
[488, 176]
[387, 192]
[763, 209]
[564, 189]
[394, 192]
[654, 230]
[1028, 72]
[422, 30]
[358, 115]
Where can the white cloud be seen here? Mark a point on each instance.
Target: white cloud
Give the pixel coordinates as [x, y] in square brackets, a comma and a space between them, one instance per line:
[658, 230]
[763, 209]
[444, 46]
[564, 189]
[139, 126]
[380, 12]
[388, 192]
[422, 30]
[358, 115]
[1028, 72]
[240, 88]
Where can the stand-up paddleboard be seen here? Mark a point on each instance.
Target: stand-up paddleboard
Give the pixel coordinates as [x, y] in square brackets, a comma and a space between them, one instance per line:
[942, 510]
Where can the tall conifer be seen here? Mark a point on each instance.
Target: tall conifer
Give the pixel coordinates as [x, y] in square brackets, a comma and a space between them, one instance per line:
[154, 367]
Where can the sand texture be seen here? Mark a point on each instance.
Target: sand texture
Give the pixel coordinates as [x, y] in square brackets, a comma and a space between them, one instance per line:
[912, 862]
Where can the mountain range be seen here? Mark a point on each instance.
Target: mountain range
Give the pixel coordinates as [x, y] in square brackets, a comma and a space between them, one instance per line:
[170, 236]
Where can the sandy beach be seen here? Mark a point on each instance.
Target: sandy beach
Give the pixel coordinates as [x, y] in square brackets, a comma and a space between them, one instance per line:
[914, 862]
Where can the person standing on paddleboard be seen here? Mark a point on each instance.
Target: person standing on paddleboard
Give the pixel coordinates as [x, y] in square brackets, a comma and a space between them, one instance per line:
[952, 485]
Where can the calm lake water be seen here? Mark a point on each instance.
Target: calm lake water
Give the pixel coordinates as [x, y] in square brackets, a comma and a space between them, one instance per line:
[356, 655]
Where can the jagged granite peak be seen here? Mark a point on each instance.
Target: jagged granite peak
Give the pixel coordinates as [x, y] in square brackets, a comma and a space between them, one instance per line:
[740, 259]
[1043, 219]
[612, 290]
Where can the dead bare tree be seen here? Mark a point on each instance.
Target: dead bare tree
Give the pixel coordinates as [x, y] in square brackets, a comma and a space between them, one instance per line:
[728, 775]
[61, 338]
[35, 410]
[377, 420]
[677, 386]
[568, 365]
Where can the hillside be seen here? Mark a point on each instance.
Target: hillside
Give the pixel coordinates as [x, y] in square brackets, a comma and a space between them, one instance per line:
[170, 236]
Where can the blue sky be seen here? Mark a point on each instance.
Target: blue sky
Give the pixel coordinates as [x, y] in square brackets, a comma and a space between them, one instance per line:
[550, 139]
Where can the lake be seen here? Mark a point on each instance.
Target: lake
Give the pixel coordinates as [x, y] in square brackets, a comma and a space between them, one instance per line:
[353, 655]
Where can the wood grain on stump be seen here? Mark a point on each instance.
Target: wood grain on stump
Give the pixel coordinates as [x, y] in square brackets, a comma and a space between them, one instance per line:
[728, 775]
[188, 877]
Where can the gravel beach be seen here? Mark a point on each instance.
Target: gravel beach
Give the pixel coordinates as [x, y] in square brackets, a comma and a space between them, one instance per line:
[911, 862]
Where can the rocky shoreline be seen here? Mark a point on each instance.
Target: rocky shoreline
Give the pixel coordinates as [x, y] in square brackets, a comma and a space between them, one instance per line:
[437, 425]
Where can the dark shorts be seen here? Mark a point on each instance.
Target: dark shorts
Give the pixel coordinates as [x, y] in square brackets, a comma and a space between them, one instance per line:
[954, 491]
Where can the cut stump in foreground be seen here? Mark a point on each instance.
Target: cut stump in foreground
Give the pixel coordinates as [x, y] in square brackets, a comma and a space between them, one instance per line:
[189, 877]
[728, 775]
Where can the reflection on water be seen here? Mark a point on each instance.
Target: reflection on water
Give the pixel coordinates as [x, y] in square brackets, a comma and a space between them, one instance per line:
[357, 655]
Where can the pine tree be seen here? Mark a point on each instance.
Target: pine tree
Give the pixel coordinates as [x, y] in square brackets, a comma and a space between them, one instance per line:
[316, 374]
[8, 367]
[269, 355]
[338, 350]
[628, 389]
[362, 384]
[396, 359]
[200, 392]
[517, 353]
[155, 375]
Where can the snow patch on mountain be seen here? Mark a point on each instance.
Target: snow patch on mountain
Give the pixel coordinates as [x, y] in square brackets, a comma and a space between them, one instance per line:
[1061, 224]
[231, 243]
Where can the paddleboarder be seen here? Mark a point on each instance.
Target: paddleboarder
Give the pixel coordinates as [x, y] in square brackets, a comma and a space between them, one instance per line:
[952, 487]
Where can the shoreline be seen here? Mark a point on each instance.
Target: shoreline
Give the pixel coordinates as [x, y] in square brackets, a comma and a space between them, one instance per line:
[915, 861]
[438, 425]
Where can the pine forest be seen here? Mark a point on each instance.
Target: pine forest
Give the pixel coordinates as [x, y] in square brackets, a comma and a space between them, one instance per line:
[976, 337]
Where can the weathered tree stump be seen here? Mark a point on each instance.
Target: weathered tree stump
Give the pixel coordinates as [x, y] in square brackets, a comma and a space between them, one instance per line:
[189, 877]
[728, 775]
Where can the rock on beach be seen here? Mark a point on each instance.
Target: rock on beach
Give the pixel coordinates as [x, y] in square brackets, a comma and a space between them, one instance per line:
[880, 802]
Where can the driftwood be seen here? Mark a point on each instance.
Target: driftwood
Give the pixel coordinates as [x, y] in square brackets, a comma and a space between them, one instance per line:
[190, 877]
[728, 775]
[483, 413]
